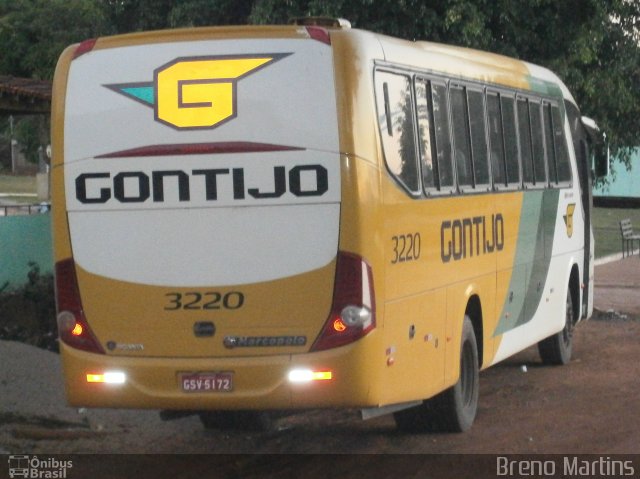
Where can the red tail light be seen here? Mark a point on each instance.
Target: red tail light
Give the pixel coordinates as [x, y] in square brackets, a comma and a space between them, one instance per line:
[320, 34]
[353, 310]
[73, 328]
[85, 47]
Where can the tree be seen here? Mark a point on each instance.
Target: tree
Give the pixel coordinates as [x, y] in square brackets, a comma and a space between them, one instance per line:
[194, 13]
[143, 15]
[593, 45]
[126, 16]
[32, 134]
[33, 33]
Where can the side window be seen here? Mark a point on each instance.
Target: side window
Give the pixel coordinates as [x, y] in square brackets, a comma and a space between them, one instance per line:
[524, 131]
[563, 164]
[426, 132]
[397, 128]
[507, 106]
[496, 141]
[461, 139]
[537, 144]
[478, 137]
[443, 141]
[549, 144]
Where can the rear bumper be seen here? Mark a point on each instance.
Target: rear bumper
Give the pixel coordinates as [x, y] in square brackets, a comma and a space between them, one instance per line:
[260, 383]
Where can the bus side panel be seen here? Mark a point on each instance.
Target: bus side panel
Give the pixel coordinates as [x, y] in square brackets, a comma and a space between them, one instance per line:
[559, 246]
[361, 212]
[546, 279]
[415, 347]
[529, 264]
[439, 252]
[458, 297]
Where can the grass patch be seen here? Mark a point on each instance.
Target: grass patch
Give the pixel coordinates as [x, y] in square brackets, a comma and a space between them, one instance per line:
[19, 199]
[606, 228]
[17, 184]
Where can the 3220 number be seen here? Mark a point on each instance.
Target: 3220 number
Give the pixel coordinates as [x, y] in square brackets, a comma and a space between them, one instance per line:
[406, 248]
[210, 300]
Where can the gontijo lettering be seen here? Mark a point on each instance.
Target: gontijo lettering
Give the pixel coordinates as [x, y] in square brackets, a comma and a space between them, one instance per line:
[467, 237]
[196, 92]
[138, 186]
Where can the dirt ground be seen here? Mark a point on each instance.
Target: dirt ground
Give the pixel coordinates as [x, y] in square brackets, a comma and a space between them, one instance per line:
[590, 406]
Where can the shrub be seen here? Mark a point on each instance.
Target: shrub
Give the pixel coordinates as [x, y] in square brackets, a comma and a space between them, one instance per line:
[28, 313]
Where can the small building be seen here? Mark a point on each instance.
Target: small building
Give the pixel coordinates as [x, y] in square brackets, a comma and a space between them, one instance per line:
[622, 188]
[21, 96]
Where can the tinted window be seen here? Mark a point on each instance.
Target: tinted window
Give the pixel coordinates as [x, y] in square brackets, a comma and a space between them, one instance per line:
[443, 142]
[425, 131]
[461, 138]
[525, 141]
[478, 137]
[537, 144]
[496, 139]
[507, 104]
[549, 144]
[397, 128]
[560, 142]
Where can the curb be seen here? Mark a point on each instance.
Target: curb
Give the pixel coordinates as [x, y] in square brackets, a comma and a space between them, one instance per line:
[607, 259]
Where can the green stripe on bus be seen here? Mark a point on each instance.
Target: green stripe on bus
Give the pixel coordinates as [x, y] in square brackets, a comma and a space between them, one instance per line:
[532, 259]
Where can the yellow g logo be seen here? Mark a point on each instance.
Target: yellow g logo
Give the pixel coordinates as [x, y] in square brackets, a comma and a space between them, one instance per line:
[568, 219]
[200, 93]
[197, 92]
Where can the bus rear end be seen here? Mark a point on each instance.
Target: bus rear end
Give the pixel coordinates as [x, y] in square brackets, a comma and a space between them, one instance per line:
[197, 203]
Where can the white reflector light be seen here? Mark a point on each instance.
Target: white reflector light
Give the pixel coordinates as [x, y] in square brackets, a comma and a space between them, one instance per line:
[307, 375]
[109, 377]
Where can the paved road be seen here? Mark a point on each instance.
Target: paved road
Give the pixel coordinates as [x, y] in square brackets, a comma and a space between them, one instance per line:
[617, 286]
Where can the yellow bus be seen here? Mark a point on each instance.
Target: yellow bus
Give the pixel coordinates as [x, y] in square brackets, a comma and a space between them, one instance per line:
[311, 216]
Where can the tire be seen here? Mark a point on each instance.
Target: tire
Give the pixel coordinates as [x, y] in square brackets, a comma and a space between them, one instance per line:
[556, 350]
[257, 421]
[453, 410]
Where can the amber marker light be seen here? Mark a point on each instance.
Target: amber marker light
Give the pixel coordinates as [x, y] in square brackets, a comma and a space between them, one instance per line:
[307, 375]
[108, 377]
[339, 326]
[77, 330]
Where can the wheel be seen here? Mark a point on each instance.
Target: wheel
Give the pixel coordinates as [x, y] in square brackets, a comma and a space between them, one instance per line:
[556, 349]
[453, 410]
[239, 420]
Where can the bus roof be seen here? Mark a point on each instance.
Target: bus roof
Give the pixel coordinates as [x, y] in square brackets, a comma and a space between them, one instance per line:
[473, 64]
[452, 60]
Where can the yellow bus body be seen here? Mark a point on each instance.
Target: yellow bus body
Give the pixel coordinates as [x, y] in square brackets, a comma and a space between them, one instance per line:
[420, 303]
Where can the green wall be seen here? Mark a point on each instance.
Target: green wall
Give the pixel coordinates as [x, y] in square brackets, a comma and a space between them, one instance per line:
[622, 183]
[24, 239]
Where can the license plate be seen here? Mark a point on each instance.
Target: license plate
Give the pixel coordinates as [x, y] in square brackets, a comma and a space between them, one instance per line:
[206, 382]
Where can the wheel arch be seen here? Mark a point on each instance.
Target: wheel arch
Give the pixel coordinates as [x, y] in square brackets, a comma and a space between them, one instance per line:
[574, 290]
[474, 312]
